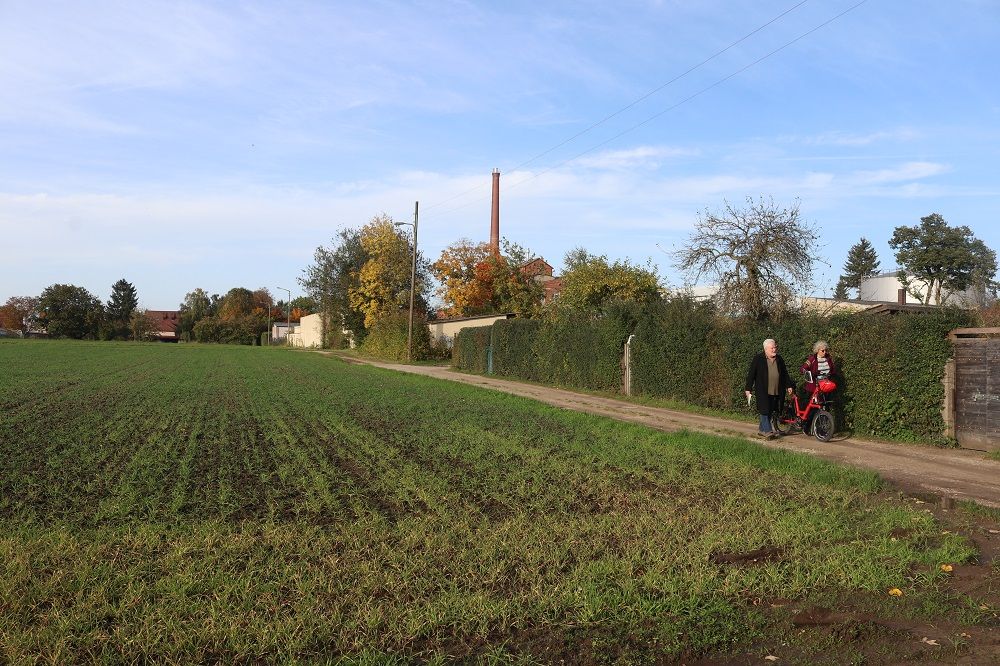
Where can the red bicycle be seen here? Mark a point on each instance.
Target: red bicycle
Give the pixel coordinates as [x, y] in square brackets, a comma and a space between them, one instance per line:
[815, 417]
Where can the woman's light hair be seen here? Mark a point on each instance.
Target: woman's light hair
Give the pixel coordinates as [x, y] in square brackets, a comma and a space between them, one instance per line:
[820, 344]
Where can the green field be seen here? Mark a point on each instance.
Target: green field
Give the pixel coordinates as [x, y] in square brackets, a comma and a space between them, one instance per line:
[187, 503]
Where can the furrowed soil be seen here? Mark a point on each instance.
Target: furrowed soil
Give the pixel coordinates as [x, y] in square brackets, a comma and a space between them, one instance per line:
[192, 504]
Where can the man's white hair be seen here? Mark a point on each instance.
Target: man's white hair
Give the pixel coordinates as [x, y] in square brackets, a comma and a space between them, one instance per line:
[769, 342]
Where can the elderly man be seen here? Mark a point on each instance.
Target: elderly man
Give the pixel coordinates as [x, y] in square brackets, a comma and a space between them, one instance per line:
[768, 378]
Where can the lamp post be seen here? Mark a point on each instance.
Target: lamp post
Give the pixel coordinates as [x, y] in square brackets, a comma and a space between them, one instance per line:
[288, 312]
[413, 279]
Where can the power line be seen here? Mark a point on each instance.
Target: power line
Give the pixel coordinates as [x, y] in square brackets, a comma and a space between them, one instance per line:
[690, 97]
[635, 102]
[668, 109]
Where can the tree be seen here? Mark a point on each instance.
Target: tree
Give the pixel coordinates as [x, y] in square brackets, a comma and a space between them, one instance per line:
[475, 281]
[759, 256]
[196, 306]
[66, 310]
[382, 286]
[460, 269]
[123, 302]
[19, 314]
[590, 282]
[939, 260]
[198, 303]
[862, 263]
[304, 304]
[328, 282]
[237, 302]
[141, 326]
[840, 293]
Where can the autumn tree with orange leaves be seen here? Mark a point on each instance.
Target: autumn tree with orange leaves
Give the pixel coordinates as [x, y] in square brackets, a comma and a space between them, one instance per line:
[18, 313]
[465, 277]
[476, 282]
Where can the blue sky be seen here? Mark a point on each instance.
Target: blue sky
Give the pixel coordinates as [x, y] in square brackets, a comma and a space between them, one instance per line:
[217, 144]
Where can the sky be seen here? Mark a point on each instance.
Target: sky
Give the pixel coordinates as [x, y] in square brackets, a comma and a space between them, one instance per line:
[185, 144]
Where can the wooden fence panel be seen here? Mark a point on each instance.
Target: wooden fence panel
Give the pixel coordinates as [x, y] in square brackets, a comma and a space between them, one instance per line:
[977, 392]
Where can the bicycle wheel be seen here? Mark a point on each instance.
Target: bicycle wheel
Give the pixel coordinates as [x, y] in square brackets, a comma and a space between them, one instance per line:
[822, 425]
[784, 424]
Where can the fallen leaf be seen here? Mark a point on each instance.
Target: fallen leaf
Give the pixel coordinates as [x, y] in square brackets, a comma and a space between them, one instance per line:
[983, 607]
[994, 531]
[929, 641]
[770, 657]
[947, 568]
[965, 635]
[896, 592]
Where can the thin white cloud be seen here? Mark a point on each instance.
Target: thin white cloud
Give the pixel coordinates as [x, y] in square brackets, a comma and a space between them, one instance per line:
[647, 157]
[904, 172]
[844, 138]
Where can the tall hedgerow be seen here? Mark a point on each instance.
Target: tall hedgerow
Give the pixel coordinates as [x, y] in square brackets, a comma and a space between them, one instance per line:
[514, 348]
[890, 366]
[470, 349]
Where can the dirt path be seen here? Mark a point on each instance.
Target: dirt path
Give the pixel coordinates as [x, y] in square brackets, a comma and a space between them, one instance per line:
[956, 474]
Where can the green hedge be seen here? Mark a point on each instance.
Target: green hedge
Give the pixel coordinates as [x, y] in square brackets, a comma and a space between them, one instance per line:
[889, 366]
[470, 348]
[514, 343]
[892, 371]
[582, 352]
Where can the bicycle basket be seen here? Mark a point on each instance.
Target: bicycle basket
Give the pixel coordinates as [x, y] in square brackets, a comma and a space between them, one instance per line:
[827, 385]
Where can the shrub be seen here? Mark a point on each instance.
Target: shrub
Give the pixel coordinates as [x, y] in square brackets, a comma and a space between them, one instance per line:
[387, 337]
[514, 343]
[470, 349]
[240, 330]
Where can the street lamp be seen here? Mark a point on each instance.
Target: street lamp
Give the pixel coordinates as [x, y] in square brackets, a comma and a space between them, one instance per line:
[413, 279]
[288, 313]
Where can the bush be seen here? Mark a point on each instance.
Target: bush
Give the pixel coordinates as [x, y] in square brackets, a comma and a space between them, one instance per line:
[470, 349]
[671, 353]
[241, 330]
[892, 372]
[581, 351]
[514, 348]
[387, 338]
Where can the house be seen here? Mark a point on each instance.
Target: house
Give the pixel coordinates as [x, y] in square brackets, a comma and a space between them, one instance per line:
[541, 271]
[280, 330]
[164, 324]
[888, 288]
[308, 333]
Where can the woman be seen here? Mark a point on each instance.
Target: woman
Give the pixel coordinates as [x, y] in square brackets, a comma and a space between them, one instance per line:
[820, 364]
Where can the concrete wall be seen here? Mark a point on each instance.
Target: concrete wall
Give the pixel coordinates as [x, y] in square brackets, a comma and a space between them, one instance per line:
[447, 329]
[308, 332]
[825, 306]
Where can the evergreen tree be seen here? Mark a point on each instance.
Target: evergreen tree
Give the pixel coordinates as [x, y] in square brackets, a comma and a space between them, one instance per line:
[862, 263]
[840, 293]
[121, 306]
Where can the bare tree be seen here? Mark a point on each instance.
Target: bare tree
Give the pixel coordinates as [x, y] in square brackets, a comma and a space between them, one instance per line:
[759, 256]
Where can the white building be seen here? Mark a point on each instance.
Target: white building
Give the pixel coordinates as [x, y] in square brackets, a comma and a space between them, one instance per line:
[888, 288]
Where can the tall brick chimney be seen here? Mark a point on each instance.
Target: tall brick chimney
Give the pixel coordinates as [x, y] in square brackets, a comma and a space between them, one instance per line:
[495, 215]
